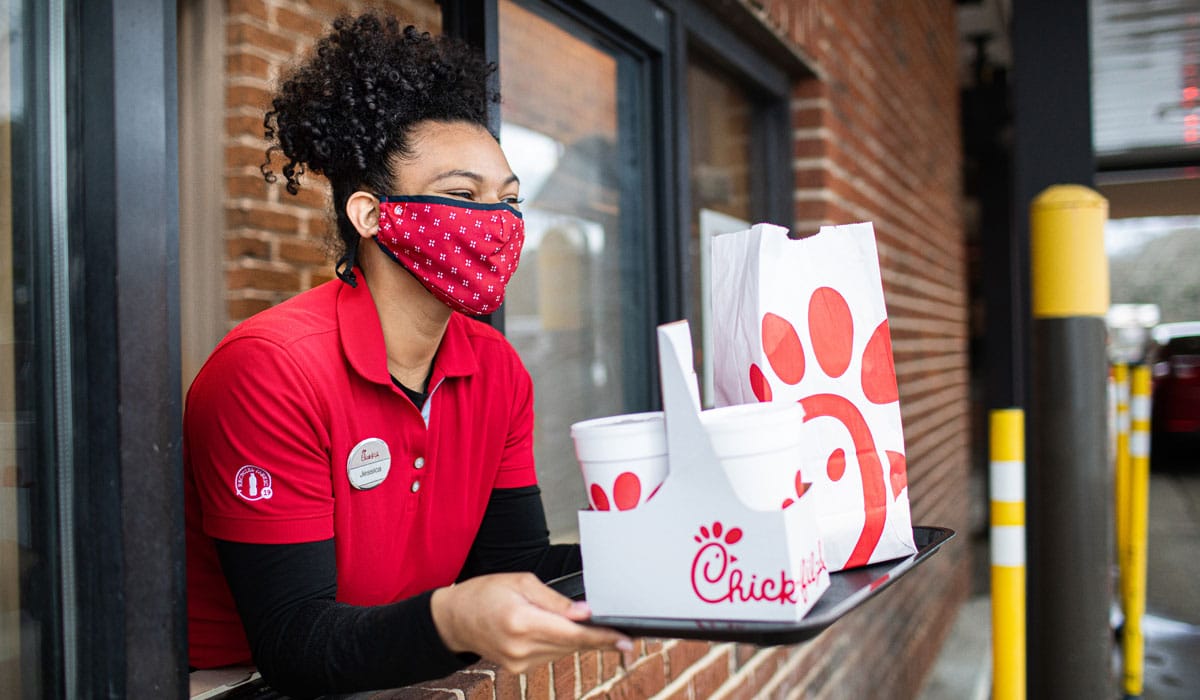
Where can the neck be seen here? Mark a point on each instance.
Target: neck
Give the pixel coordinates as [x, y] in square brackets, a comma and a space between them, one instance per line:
[413, 320]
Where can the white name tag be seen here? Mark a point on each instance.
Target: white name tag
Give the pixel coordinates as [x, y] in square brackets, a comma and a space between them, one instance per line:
[368, 463]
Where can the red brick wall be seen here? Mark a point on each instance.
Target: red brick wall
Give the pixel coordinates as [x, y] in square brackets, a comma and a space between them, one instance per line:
[875, 138]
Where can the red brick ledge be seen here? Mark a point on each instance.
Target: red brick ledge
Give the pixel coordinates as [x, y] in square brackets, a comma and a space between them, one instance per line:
[670, 669]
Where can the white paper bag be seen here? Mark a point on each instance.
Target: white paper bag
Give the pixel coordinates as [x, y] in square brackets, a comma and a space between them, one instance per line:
[804, 320]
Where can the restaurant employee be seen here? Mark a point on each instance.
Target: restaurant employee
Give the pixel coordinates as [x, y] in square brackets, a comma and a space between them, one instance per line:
[359, 459]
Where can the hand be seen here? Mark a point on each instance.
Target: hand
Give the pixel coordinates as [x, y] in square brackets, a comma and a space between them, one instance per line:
[516, 621]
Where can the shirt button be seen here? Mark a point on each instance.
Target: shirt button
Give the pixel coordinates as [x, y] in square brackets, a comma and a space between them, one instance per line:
[418, 462]
[416, 486]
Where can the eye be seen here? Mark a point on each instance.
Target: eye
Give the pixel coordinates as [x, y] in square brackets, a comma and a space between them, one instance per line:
[462, 194]
[513, 200]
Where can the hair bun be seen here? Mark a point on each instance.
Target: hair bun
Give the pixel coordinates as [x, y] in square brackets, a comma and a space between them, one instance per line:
[347, 108]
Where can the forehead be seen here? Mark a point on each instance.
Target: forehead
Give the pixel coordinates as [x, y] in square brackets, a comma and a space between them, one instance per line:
[438, 147]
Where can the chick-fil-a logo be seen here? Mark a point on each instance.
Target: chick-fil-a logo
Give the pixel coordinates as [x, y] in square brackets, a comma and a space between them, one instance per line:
[716, 579]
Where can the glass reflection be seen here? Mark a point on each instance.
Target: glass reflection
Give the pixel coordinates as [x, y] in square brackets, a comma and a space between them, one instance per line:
[564, 306]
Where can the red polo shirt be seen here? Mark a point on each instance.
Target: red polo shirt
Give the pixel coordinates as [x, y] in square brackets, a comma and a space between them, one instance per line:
[293, 421]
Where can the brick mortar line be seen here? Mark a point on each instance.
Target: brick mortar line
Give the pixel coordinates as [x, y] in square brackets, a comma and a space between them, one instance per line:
[735, 679]
[936, 446]
[267, 55]
[486, 672]
[603, 686]
[682, 680]
[813, 163]
[296, 209]
[821, 133]
[454, 691]
[782, 673]
[812, 194]
[579, 672]
[941, 362]
[256, 142]
[919, 387]
[242, 111]
[259, 265]
[244, 80]
[609, 684]
[932, 502]
[802, 103]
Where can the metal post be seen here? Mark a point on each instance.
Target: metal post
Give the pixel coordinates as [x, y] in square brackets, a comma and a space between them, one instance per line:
[1070, 488]
[1132, 639]
[1008, 553]
[1121, 384]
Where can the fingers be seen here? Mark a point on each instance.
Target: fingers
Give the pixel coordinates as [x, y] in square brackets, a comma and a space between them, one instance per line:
[546, 597]
[578, 611]
[552, 601]
[515, 620]
[564, 631]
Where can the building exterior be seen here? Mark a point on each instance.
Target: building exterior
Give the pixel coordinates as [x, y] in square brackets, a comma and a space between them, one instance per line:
[628, 121]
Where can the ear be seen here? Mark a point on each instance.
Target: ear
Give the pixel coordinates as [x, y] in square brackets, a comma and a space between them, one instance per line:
[362, 208]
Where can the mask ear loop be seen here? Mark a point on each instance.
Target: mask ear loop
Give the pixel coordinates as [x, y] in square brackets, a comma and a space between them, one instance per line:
[345, 264]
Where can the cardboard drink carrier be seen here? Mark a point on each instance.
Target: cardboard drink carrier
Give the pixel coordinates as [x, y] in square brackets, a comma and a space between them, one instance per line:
[695, 551]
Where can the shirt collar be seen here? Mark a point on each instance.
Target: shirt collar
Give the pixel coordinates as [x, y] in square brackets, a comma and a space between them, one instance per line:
[362, 340]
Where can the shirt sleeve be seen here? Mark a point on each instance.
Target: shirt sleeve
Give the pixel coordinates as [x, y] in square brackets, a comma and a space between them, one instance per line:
[517, 464]
[306, 644]
[255, 444]
[513, 537]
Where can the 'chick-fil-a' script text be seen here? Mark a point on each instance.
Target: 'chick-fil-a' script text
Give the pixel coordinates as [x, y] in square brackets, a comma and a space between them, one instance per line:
[717, 579]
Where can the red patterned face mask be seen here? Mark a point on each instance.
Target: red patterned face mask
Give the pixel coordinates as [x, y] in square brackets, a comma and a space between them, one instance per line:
[462, 252]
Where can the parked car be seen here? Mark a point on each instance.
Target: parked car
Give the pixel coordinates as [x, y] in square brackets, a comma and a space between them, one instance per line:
[1174, 356]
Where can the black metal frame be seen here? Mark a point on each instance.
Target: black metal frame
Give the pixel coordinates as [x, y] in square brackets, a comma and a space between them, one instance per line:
[130, 638]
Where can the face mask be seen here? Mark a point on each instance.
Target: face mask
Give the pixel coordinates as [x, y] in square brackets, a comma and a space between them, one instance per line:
[463, 253]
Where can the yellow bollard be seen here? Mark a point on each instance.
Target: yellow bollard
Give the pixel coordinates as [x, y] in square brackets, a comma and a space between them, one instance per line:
[1069, 494]
[1068, 264]
[1132, 638]
[1007, 480]
[1121, 384]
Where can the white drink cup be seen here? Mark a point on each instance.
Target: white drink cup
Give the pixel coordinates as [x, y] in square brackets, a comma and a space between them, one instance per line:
[760, 446]
[623, 458]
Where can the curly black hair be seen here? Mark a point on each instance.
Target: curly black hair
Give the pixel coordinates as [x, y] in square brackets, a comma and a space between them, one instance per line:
[347, 110]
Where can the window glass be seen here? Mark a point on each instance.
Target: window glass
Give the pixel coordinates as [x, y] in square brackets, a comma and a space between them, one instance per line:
[719, 114]
[27, 588]
[10, 585]
[571, 307]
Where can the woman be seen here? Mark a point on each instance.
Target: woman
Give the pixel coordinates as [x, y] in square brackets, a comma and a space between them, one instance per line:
[355, 451]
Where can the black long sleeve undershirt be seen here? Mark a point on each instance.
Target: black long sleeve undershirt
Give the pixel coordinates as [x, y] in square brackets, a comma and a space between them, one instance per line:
[305, 643]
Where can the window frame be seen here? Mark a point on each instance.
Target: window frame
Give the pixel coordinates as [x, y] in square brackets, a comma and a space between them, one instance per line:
[661, 36]
[129, 631]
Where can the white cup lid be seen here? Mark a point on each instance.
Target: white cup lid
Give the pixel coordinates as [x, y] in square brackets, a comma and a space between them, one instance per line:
[628, 436]
[754, 427]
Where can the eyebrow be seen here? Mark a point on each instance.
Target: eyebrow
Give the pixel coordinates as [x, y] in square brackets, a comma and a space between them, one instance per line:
[474, 176]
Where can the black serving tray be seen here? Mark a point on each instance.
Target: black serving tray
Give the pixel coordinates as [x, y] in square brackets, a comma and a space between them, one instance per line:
[847, 590]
